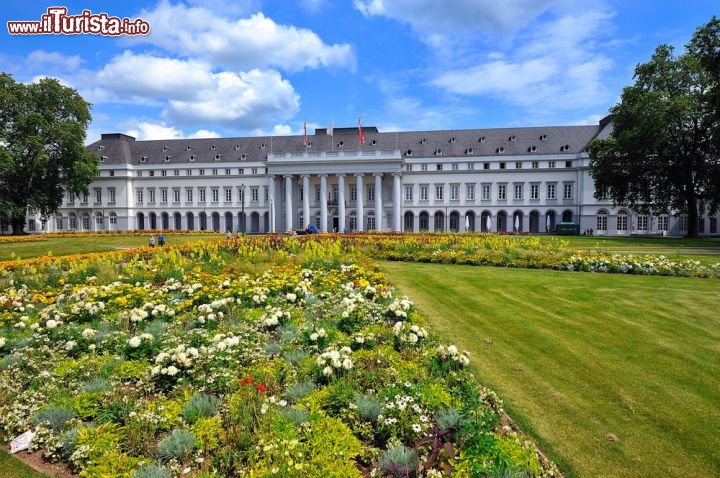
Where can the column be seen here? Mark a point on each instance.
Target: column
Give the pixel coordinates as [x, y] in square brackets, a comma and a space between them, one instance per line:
[359, 200]
[378, 202]
[288, 203]
[397, 197]
[306, 200]
[341, 202]
[323, 203]
[271, 205]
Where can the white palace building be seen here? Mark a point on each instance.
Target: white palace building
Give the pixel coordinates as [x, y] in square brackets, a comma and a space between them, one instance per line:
[526, 180]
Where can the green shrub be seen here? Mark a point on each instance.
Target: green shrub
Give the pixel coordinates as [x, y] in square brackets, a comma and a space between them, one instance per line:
[295, 415]
[55, 417]
[152, 470]
[399, 461]
[200, 405]
[177, 445]
[369, 408]
[297, 391]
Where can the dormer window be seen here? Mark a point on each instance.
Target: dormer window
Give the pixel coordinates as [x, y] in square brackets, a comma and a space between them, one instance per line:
[189, 148]
[165, 148]
[482, 139]
[423, 141]
[409, 152]
[168, 158]
[543, 137]
[532, 149]
[103, 159]
[373, 142]
[438, 152]
[143, 159]
[218, 157]
[512, 138]
[262, 146]
[213, 147]
[341, 144]
[243, 156]
[500, 150]
[565, 147]
[469, 151]
[452, 140]
[192, 158]
[236, 147]
[100, 147]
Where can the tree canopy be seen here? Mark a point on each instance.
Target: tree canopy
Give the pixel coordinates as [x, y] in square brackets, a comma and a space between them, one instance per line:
[663, 153]
[42, 151]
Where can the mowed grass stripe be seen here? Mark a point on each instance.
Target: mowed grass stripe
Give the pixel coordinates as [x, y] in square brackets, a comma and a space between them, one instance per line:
[613, 375]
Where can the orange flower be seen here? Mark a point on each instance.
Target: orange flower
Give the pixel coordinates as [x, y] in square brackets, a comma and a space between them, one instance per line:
[261, 388]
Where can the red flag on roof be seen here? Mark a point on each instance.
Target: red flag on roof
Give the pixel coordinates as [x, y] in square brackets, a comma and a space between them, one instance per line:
[362, 136]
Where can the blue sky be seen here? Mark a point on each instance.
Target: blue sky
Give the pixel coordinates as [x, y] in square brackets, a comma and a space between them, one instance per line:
[248, 67]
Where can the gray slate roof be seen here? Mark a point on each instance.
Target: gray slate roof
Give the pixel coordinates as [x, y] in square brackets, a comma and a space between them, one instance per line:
[118, 148]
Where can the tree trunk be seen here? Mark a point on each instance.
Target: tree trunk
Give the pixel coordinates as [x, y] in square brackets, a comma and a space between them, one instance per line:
[18, 225]
[692, 210]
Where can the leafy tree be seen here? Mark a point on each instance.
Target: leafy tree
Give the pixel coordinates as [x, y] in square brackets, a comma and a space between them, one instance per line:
[42, 152]
[662, 154]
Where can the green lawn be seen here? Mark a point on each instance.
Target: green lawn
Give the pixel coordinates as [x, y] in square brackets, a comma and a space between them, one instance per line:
[614, 375]
[80, 244]
[11, 467]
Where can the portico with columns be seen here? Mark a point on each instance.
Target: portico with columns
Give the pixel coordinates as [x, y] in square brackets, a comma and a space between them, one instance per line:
[326, 199]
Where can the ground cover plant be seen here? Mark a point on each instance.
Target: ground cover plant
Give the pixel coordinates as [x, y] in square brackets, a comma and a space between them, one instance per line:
[614, 375]
[259, 357]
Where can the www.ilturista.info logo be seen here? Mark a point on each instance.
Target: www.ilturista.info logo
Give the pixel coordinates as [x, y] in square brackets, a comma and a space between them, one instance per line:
[57, 22]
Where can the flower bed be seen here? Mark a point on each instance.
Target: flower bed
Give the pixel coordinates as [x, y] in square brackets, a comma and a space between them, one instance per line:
[268, 356]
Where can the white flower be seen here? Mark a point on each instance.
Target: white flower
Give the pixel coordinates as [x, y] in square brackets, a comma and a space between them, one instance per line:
[2, 342]
[51, 324]
[327, 371]
[172, 370]
[134, 342]
[70, 344]
[89, 333]
[347, 364]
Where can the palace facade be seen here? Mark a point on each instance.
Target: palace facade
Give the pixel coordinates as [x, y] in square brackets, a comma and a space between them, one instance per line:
[498, 180]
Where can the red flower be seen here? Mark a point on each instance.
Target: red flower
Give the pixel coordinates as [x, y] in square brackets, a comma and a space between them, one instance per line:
[247, 380]
[261, 388]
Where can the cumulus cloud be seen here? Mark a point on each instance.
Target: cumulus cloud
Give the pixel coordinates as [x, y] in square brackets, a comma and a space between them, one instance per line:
[41, 59]
[145, 130]
[252, 42]
[189, 92]
[450, 17]
[555, 64]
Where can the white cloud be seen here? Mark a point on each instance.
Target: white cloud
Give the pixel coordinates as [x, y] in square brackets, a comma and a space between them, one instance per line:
[145, 130]
[451, 17]
[556, 65]
[42, 59]
[252, 42]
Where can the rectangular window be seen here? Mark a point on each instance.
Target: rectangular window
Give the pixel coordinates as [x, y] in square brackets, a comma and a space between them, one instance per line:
[188, 172]
[371, 193]
[70, 197]
[253, 170]
[534, 191]
[98, 195]
[601, 223]
[138, 174]
[471, 166]
[423, 167]
[454, 192]
[551, 164]
[84, 199]
[113, 218]
[176, 172]
[176, 195]
[550, 191]
[470, 192]
[535, 164]
[317, 194]
[215, 194]
[518, 165]
[241, 171]
[228, 172]
[486, 165]
[683, 222]
[138, 196]
[602, 192]
[518, 191]
[188, 195]
[439, 189]
[502, 194]
[163, 195]
[621, 221]
[642, 224]
[502, 165]
[201, 195]
[409, 192]
[408, 167]
[214, 172]
[163, 172]
[228, 194]
[370, 222]
[301, 194]
[455, 166]
[152, 173]
[151, 196]
[486, 192]
[254, 194]
[111, 195]
[202, 172]
[353, 193]
[423, 193]
[567, 191]
[353, 223]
